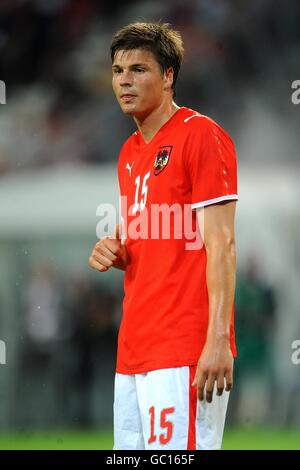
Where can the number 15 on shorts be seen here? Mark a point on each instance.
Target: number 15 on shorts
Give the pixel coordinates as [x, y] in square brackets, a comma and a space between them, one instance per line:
[166, 425]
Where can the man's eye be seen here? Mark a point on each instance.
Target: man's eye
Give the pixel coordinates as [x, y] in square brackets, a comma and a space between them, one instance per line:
[139, 70]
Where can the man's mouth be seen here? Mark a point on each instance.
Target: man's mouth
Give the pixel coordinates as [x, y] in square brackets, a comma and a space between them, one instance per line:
[127, 97]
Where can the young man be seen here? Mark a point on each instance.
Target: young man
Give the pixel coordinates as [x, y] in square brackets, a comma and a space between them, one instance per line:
[176, 341]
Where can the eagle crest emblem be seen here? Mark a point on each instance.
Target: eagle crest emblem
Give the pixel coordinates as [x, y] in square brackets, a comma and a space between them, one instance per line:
[162, 159]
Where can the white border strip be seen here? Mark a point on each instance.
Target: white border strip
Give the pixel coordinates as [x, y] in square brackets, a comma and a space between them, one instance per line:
[228, 197]
[190, 117]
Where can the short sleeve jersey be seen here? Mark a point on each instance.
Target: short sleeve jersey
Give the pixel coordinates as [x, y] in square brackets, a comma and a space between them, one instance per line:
[190, 162]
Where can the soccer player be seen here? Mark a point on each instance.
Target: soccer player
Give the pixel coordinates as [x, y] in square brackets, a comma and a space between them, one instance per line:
[176, 341]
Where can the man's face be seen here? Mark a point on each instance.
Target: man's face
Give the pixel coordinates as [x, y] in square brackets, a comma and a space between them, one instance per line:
[138, 82]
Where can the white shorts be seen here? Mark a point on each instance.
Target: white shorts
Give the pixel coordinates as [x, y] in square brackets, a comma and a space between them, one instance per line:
[159, 410]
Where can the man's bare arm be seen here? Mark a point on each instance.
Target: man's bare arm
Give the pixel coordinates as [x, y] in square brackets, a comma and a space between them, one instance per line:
[216, 361]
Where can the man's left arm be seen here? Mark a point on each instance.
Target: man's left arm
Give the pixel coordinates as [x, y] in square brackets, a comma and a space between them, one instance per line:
[215, 365]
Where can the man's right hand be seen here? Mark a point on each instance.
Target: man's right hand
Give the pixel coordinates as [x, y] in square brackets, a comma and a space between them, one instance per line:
[109, 252]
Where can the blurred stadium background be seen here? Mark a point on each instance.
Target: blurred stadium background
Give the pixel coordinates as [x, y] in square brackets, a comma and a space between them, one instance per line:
[60, 133]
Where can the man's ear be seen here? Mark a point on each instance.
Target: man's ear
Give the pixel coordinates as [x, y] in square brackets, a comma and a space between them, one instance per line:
[169, 78]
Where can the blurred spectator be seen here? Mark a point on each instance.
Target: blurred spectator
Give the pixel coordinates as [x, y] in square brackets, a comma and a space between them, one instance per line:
[44, 328]
[43, 316]
[255, 305]
[92, 307]
[255, 318]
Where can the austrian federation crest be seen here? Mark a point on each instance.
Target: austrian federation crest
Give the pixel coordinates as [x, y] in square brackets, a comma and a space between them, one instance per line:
[162, 159]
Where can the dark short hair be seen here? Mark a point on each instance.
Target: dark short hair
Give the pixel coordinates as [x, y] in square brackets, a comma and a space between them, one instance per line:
[159, 38]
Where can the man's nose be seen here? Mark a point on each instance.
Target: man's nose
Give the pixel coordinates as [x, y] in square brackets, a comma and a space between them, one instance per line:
[126, 78]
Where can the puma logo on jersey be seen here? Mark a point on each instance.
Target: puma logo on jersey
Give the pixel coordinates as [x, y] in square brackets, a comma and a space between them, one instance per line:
[129, 168]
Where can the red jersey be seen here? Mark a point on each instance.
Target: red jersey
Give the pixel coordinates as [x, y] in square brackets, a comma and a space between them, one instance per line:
[191, 162]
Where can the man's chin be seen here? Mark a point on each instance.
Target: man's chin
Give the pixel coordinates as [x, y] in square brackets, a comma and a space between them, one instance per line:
[129, 111]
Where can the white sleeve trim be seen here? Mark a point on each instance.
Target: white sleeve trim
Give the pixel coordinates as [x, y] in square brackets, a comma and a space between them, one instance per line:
[228, 197]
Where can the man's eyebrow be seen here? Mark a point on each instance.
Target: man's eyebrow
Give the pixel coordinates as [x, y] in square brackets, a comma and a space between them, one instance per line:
[132, 65]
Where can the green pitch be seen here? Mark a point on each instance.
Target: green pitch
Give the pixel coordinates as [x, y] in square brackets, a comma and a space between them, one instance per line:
[234, 439]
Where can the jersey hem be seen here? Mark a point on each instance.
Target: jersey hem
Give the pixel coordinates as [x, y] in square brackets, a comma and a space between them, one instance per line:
[148, 367]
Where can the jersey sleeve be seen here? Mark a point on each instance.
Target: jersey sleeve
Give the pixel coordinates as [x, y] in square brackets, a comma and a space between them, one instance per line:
[210, 163]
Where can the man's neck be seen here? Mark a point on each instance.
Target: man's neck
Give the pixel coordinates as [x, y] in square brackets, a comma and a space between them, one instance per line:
[151, 124]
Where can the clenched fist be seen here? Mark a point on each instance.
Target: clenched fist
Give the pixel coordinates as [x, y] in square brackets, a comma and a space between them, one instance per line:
[108, 252]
